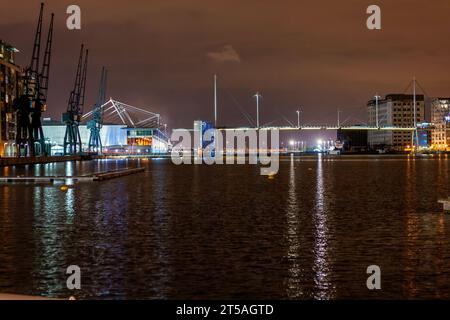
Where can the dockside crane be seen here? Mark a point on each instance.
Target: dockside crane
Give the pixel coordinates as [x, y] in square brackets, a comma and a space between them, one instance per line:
[96, 123]
[29, 106]
[40, 105]
[72, 118]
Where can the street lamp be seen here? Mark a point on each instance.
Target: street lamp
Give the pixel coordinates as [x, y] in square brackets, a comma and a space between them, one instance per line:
[319, 144]
[377, 97]
[298, 118]
[257, 96]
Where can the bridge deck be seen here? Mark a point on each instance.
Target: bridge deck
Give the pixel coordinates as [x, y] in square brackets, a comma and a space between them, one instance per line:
[326, 128]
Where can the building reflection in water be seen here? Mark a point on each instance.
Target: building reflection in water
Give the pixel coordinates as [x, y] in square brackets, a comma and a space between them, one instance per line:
[294, 285]
[69, 168]
[5, 204]
[160, 230]
[48, 247]
[111, 220]
[425, 232]
[323, 286]
[443, 174]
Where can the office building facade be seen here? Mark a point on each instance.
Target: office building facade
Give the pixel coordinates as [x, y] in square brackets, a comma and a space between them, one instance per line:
[394, 110]
[440, 120]
[11, 86]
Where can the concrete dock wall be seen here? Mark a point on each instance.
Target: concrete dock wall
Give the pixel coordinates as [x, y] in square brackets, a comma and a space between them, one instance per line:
[36, 160]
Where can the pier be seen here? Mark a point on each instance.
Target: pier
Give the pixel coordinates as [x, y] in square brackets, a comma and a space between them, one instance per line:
[98, 176]
[20, 297]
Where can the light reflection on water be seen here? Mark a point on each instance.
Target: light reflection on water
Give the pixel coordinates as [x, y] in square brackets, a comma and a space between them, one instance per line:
[227, 232]
[294, 284]
[322, 268]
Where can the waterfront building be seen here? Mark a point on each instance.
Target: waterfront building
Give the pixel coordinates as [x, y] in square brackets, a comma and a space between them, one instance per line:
[424, 135]
[394, 110]
[116, 138]
[200, 127]
[353, 140]
[147, 140]
[10, 88]
[440, 119]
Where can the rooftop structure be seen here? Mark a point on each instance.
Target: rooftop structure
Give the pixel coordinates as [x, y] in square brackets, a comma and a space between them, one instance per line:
[121, 113]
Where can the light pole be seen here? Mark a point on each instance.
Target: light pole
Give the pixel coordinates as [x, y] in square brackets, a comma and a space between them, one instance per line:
[377, 97]
[415, 116]
[298, 118]
[257, 96]
[215, 101]
[339, 118]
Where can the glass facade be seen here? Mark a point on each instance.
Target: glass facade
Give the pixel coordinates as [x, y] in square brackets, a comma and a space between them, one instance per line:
[440, 118]
[147, 137]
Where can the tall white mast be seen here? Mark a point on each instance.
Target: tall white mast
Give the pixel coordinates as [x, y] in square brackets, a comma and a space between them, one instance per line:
[257, 96]
[339, 118]
[415, 115]
[377, 120]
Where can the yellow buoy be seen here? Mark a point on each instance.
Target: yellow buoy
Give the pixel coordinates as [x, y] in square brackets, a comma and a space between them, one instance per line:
[64, 188]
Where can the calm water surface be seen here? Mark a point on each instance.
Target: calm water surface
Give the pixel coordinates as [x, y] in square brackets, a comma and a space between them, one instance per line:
[226, 232]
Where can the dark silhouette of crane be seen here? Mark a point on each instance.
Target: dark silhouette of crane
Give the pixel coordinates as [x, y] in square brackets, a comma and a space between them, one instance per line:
[72, 118]
[29, 106]
[96, 123]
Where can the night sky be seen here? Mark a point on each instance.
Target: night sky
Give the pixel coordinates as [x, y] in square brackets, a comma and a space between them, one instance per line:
[315, 54]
